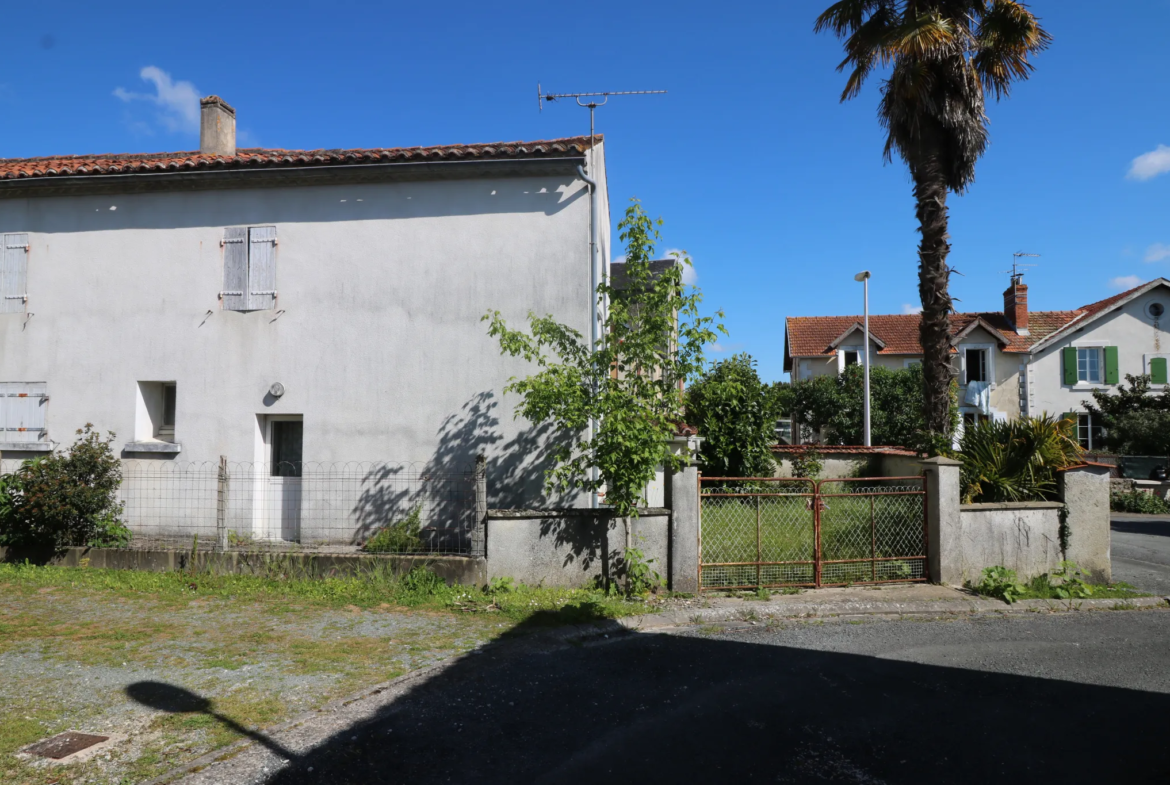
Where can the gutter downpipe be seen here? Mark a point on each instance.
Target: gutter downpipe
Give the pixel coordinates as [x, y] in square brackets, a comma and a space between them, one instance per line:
[595, 326]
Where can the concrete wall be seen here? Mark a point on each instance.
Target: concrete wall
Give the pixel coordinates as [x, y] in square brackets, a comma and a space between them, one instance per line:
[1022, 536]
[376, 335]
[1138, 339]
[833, 466]
[1085, 490]
[572, 547]
[900, 466]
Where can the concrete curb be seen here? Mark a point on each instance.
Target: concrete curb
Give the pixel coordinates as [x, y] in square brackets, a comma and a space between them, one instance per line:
[754, 611]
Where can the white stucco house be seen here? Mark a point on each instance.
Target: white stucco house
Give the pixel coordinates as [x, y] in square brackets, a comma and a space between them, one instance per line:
[1011, 362]
[279, 307]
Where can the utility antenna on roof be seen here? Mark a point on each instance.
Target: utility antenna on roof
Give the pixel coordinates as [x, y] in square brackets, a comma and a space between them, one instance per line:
[543, 98]
[1017, 275]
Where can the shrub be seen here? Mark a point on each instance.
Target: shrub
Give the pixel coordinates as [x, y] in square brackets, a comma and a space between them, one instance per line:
[1139, 502]
[399, 537]
[834, 405]
[736, 415]
[1136, 422]
[65, 499]
[806, 463]
[1000, 582]
[1016, 460]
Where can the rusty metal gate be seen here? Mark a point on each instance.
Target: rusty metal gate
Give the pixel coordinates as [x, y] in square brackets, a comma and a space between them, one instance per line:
[773, 532]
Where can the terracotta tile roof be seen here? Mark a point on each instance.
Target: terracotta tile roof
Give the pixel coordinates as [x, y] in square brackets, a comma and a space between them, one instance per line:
[1095, 308]
[264, 158]
[811, 336]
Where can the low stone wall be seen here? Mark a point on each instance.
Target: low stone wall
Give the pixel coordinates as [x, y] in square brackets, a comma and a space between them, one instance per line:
[1022, 536]
[833, 467]
[572, 547]
[452, 569]
[900, 466]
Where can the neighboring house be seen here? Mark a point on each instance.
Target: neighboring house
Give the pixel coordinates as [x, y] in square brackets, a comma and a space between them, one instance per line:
[278, 306]
[1011, 362]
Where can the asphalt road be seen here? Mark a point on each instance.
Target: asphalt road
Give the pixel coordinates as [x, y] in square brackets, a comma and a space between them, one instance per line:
[1082, 697]
[1141, 551]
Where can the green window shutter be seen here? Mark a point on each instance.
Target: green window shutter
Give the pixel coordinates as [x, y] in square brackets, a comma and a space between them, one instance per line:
[1111, 375]
[1158, 371]
[1070, 365]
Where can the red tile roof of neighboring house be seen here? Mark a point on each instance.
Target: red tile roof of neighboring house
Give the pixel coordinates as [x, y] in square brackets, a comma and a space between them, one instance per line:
[813, 336]
[262, 158]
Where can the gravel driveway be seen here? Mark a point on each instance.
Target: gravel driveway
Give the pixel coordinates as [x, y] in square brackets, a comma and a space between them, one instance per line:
[69, 656]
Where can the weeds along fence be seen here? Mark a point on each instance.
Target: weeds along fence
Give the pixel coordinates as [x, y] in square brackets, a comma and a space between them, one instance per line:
[297, 506]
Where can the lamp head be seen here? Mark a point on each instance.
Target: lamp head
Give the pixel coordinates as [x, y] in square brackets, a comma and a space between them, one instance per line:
[862, 276]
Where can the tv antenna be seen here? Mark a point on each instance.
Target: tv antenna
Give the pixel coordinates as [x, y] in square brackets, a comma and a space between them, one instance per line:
[591, 104]
[1017, 275]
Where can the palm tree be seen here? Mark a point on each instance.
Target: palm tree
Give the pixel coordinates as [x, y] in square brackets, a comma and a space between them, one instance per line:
[942, 55]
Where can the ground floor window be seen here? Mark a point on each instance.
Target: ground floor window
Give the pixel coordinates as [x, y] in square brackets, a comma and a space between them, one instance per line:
[287, 439]
[1089, 432]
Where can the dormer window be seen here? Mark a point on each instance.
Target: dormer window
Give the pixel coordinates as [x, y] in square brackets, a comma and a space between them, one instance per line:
[976, 365]
[851, 358]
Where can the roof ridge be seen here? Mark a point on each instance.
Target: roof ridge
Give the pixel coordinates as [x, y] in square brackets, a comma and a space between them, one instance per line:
[291, 151]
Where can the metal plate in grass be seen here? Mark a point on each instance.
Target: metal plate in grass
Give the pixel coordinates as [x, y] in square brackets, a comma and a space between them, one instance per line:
[64, 744]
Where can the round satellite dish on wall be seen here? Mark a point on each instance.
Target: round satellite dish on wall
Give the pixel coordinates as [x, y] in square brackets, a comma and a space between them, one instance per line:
[276, 390]
[1155, 310]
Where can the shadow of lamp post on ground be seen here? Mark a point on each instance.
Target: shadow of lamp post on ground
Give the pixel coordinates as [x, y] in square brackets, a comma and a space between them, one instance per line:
[161, 696]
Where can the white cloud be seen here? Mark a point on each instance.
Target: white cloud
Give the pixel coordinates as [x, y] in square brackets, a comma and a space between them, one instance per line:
[723, 348]
[1125, 282]
[909, 309]
[1151, 164]
[1157, 252]
[178, 101]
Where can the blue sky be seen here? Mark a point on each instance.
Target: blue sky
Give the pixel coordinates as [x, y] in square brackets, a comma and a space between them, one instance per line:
[777, 191]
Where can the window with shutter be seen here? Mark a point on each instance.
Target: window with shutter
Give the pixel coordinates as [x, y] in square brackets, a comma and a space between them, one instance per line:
[22, 411]
[1112, 373]
[261, 268]
[235, 269]
[14, 273]
[249, 268]
[1158, 371]
[1069, 356]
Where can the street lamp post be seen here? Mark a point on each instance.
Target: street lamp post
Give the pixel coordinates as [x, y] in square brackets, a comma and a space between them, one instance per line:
[863, 277]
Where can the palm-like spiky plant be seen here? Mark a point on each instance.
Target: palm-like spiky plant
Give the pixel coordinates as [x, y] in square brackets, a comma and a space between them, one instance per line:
[943, 56]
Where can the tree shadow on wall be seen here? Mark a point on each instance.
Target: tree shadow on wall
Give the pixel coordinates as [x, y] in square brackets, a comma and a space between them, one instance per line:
[444, 486]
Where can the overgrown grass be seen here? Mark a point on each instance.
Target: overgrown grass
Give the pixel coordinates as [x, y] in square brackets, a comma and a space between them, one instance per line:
[380, 586]
[1067, 583]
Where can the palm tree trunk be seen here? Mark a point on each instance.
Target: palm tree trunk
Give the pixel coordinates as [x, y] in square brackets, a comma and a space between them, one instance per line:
[930, 192]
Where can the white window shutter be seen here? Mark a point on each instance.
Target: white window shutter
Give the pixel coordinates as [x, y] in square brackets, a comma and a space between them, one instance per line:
[23, 408]
[235, 269]
[14, 273]
[262, 268]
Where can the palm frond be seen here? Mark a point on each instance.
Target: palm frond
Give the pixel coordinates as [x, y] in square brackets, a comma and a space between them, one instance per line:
[1008, 32]
[928, 36]
[847, 16]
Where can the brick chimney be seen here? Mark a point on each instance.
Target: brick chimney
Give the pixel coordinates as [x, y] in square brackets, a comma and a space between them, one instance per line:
[217, 127]
[1015, 304]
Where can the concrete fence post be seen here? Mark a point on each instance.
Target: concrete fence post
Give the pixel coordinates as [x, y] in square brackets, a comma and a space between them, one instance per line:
[221, 503]
[943, 524]
[683, 490]
[479, 536]
[1085, 492]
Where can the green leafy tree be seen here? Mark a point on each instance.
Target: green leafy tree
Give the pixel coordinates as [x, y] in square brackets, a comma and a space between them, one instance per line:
[1135, 419]
[64, 499]
[834, 405]
[630, 384]
[736, 416]
[942, 56]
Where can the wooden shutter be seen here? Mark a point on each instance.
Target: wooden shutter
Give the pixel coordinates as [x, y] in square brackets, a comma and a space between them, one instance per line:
[1158, 373]
[261, 268]
[235, 269]
[23, 411]
[13, 273]
[1111, 373]
[1070, 365]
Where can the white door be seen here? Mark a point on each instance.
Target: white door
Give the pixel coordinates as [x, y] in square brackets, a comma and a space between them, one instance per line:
[279, 480]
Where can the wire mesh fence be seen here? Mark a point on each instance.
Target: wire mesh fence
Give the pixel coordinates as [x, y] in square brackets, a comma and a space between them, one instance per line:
[378, 507]
[775, 532]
